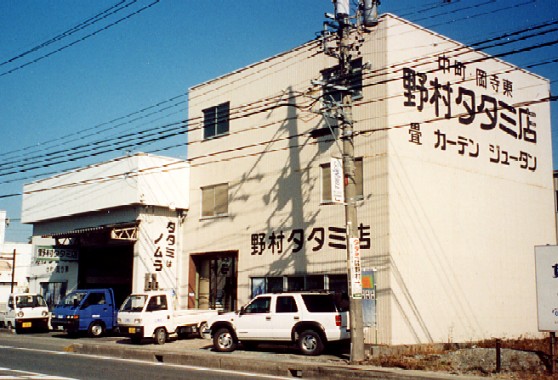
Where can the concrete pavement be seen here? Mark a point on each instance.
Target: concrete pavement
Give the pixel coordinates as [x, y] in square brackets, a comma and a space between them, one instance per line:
[267, 359]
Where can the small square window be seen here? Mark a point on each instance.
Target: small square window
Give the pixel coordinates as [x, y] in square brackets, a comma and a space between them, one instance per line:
[216, 120]
[215, 200]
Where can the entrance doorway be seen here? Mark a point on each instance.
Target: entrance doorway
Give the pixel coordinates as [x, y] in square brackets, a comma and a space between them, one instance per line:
[213, 280]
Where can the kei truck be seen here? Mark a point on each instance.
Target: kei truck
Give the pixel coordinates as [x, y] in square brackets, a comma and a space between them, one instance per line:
[86, 310]
[24, 312]
[154, 314]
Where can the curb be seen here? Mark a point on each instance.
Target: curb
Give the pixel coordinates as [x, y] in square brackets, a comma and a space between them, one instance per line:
[277, 367]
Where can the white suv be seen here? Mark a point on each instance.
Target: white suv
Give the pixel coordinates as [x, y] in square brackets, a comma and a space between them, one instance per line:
[308, 319]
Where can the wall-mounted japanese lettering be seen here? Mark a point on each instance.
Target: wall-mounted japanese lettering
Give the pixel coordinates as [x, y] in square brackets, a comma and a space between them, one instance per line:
[165, 247]
[48, 254]
[487, 106]
[316, 238]
[451, 100]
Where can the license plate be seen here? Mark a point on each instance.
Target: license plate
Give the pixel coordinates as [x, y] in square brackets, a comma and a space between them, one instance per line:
[26, 325]
[132, 330]
[60, 328]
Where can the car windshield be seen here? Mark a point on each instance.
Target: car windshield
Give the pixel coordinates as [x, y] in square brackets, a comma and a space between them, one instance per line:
[134, 303]
[30, 301]
[73, 299]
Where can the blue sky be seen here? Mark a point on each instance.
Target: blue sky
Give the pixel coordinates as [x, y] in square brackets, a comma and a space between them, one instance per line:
[73, 86]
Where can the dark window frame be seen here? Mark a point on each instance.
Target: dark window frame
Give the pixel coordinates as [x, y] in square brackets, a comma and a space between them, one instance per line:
[216, 121]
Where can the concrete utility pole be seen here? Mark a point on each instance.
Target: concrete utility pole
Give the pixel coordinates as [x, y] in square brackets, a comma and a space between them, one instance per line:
[13, 271]
[347, 137]
[344, 53]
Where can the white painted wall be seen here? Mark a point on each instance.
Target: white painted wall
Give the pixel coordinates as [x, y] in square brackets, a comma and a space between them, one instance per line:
[141, 179]
[157, 250]
[463, 227]
[22, 268]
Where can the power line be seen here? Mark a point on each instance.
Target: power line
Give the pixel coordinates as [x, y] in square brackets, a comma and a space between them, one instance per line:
[84, 24]
[435, 5]
[79, 136]
[256, 110]
[80, 40]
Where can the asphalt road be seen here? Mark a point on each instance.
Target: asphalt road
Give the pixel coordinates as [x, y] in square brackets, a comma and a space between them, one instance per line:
[34, 356]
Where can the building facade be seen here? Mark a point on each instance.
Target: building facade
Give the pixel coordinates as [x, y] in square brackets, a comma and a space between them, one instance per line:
[116, 224]
[454, 191]
[454, 171]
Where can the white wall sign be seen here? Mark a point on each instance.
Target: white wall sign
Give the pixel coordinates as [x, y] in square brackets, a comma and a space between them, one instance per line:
[337, 180]
[546, 264]
[356, 270]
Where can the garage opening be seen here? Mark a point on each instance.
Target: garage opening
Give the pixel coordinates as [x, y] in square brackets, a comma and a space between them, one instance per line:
[107, 267]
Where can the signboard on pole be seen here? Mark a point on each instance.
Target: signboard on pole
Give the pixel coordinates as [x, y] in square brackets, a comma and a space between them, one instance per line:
[337, 180]
[546, 267]
[356, 271]
[369, 298]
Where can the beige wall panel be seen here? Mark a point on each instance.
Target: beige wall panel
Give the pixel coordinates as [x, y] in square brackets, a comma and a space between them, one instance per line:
[463, 220]
[370, 115]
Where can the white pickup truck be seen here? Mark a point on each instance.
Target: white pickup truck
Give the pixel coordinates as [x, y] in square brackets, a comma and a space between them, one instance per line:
[309, 319]
[24, 312]
[153, 314]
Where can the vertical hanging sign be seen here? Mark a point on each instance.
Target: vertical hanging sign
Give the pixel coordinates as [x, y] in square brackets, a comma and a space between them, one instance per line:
[337, 180]
[356, 272]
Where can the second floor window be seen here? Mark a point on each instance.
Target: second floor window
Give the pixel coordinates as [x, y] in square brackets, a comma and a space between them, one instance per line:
[216, 120]
[215, 200]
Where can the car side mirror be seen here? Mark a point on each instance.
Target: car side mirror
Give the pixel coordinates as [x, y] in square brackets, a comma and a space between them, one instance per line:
[76, 303]
[242, 310]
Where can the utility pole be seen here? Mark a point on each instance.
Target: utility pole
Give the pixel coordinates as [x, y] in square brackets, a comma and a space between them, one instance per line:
[353, 245]
[13, 271]
[343, 110]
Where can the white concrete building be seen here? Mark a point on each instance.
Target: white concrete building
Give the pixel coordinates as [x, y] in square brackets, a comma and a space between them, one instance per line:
[13, 278]
[454, 163]
[116, 224]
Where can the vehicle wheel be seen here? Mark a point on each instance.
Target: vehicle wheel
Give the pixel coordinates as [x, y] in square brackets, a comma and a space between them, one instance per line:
[136, 339]
[224, 341]
[201, 328]
[96, 329]
[160, 335]
[310, 343]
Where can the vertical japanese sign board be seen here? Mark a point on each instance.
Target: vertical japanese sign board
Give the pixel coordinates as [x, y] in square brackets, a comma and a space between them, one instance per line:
[337, 180]
[546, 266]
[369, 298]
[356, 271]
